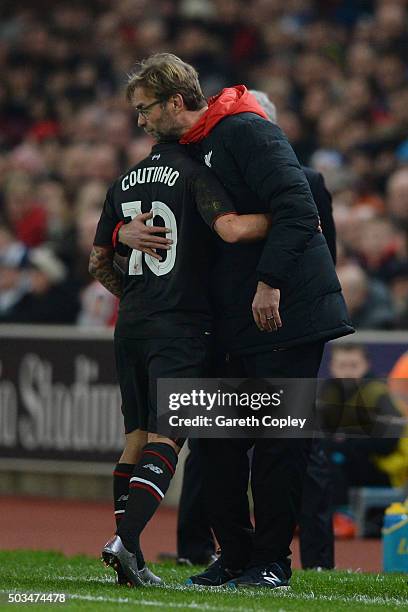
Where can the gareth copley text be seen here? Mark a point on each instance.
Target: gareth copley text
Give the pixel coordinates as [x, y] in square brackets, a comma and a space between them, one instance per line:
[224, 421]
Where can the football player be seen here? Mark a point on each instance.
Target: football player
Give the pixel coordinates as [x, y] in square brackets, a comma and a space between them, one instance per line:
[165, 320]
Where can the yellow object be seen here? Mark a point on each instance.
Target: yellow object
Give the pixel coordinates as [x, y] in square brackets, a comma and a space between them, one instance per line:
[397, 508]
[396, 463]
[403, 547]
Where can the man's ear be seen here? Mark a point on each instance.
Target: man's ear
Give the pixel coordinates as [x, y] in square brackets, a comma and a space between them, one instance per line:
[177, 102]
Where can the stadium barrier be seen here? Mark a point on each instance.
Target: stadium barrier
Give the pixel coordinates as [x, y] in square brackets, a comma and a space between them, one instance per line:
[61, 426]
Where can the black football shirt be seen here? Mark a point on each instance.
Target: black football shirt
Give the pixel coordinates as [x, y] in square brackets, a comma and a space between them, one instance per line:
[169, 298]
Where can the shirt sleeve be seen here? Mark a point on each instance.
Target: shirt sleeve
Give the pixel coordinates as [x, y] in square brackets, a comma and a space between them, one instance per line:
[107, 222]
[210, 196]
[271, 170]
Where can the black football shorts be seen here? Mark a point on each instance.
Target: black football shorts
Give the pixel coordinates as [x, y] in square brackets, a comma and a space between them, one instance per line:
[140, 362]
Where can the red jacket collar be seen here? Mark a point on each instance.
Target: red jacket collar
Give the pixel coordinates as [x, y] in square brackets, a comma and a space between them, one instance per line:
[230, 101]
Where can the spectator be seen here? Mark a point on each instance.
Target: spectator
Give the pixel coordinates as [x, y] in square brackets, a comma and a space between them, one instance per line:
[379, 247]
[368, 300]
[24, 213]
[350, 404]
[49, 297]
[398, 284]
[13, 284]
[98, 307]
[397, 196]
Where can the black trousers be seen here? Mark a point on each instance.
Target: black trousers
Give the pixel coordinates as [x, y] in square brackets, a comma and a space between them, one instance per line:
[277, 475]
[194, 536]
[316, 535]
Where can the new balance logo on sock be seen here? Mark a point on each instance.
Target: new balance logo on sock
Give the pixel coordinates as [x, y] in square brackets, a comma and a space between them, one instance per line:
[154, 468]
[271, 577]
[123, 498]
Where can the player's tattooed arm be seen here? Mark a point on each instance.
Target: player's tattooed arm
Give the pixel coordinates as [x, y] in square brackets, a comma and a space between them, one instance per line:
[101, 267]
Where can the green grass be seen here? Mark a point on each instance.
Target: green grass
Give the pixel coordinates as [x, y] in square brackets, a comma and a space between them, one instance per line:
[90, 586]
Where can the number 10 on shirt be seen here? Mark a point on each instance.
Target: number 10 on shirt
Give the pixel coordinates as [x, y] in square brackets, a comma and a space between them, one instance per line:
[160, 209]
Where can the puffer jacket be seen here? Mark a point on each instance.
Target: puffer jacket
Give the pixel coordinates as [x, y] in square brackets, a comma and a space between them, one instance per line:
[256, 164]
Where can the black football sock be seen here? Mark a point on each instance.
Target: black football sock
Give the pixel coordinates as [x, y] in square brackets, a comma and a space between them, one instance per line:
[121, 477]
[147, 487]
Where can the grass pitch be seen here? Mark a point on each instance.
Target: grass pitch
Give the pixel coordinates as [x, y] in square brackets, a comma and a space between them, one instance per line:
[88, 585]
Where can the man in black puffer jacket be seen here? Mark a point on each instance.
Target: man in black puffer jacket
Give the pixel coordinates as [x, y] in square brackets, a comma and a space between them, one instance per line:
[316, 534]
[316, 538]
[276, 303]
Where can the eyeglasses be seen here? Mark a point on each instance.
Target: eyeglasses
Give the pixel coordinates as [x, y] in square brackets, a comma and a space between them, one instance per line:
[144, 110]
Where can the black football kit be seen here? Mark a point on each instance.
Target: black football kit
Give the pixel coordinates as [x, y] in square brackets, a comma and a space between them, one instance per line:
[164, 322]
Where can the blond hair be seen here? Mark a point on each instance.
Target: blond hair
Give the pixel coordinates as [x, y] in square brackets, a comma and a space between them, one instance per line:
[164, 75]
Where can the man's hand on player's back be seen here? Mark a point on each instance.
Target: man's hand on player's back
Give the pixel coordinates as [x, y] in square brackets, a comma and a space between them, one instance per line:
[230, 227]
[137, 235]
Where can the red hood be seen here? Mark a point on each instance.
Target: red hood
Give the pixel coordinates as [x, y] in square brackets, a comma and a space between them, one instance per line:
[230, 101]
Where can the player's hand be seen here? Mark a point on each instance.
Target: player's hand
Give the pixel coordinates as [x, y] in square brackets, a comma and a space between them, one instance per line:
[137, 235]
[265, 308]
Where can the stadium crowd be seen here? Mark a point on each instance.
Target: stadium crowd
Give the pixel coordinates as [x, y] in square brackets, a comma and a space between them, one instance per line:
[336, 70]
